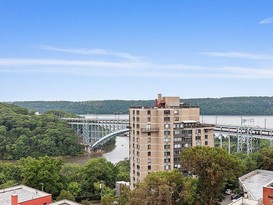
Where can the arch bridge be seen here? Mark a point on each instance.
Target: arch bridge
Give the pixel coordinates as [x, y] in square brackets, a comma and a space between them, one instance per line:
[97, 131]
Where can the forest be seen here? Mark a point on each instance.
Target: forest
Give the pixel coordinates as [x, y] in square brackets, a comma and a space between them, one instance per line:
[23, 134]
[208, 106]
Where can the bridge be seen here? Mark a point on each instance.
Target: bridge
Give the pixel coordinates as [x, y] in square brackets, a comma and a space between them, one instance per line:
[97, 131]
[247, 136]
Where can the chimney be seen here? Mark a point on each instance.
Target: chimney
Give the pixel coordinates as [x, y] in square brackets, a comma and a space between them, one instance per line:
[14, 199]
[159, 97]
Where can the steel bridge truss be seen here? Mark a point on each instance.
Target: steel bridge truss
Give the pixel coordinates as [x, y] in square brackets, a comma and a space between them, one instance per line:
[248, 138]
[93, 130]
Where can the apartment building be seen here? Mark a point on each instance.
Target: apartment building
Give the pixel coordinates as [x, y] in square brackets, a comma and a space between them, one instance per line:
[159, 134]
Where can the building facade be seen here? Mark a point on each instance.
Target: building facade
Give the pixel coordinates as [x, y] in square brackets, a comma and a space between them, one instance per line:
[159, 134]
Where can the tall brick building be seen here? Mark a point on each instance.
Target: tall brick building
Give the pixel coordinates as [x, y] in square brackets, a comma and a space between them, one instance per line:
[159, 134]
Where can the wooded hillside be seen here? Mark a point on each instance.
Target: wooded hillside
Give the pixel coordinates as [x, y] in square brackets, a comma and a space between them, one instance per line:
[209, 106]
[23, 134]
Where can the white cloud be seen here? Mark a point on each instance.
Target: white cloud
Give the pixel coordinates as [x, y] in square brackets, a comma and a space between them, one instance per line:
[132, 69]
[84, 51]
[60, 62]
[252, 56]
[266, 21]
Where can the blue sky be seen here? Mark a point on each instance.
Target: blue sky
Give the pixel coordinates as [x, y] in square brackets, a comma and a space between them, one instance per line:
[100, 49]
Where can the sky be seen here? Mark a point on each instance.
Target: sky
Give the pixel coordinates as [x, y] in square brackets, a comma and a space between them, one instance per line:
[80, 50]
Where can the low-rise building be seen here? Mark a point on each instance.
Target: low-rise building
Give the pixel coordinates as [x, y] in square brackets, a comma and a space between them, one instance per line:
[257, 187]
[120, 185]
[64, 202]
[24, 195]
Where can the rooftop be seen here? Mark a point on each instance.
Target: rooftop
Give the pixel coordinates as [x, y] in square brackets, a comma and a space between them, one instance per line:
[24, 193]
[64, 202]
[254, 182]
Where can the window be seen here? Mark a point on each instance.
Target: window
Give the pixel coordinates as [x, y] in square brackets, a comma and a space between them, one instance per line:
[167, 167]
[177, 166]
[167, 153]
[167, 126]
[149, 167]
[206, 137]
[149, 146]
[148, 119]
[167, 112]
[167, 160]
[177, 152]
[167, 146]
[149, 154]
[167, 139]
[137, 112]
[137, 125]
[178, 139]
[206, 143]
[149, 140]
[176, 119]
[197, 137]
[148, 112]
[166, 119]
[149, 134]
[176, 132]
[177, 145]
[198, 131]
[167, 132]
[176, 112]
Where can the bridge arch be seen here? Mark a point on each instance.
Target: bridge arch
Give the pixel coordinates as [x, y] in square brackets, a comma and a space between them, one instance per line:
[108, 137]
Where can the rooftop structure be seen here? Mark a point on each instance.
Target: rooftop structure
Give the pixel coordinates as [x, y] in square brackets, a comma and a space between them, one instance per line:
[120, 185]
[23, 195]
[64, 202]
[253, 183]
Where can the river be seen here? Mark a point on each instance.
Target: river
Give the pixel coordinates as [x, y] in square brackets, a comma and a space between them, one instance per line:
[121, 149]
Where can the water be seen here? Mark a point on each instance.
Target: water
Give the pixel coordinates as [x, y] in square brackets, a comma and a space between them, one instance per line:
[121, 150]
[119, 153]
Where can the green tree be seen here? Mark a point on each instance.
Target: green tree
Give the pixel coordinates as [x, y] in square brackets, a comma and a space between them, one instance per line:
[74, 188]
[97, 170]
[123, 170]
[213, 166]
[44, 171]
[265, 159]
[65, 195]
[163, 188]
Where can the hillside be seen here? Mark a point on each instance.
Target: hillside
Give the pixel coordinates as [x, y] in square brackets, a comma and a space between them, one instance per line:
[209, 106]
[24, 134]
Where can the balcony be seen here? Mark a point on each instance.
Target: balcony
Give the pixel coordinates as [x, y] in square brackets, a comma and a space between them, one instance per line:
[152, 129]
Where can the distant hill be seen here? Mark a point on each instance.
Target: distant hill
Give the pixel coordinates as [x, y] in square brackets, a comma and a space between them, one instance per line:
[208, 106]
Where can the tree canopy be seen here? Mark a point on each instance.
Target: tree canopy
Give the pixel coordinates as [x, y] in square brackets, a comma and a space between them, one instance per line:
[24, 134]
[165, 188]
[213, 166]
